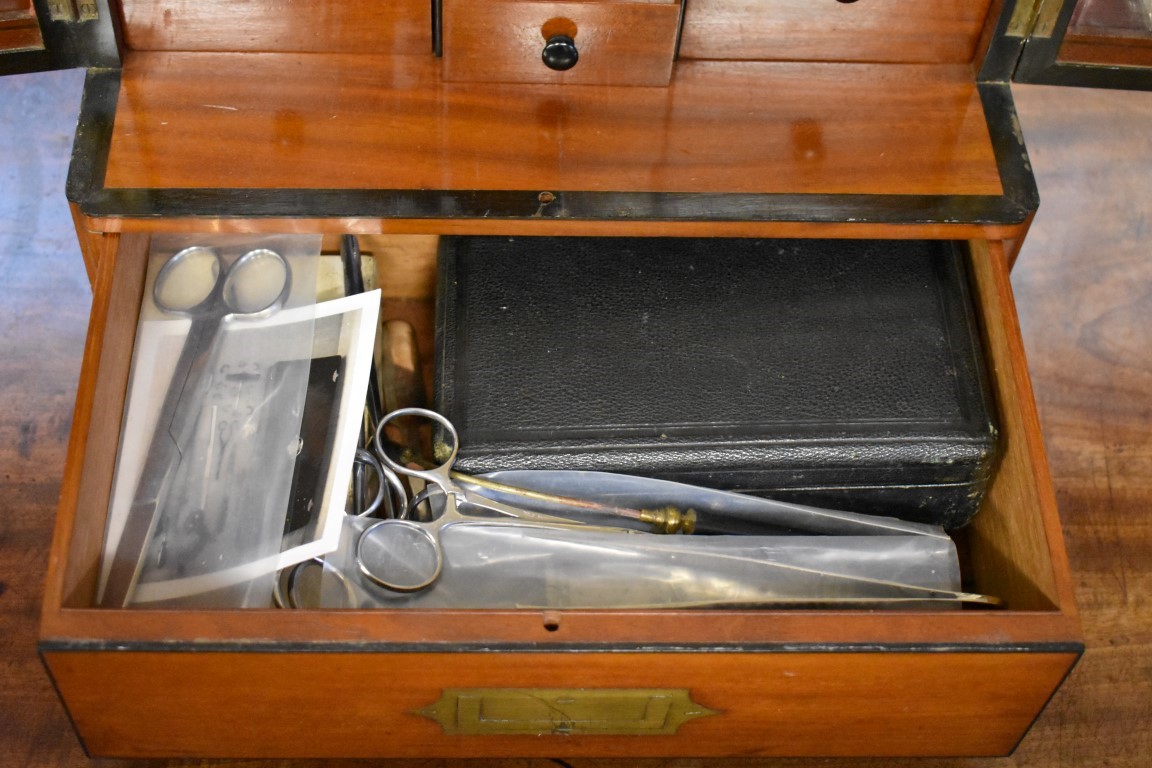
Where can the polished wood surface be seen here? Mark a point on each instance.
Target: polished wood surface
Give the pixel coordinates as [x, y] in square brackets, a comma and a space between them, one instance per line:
[1030, 555]
[20, 36]
[19, 29]
[360, 122]
[619, 43]
[1027, 553]
[1017, 556]
[1082, 285]
[401, 26]
[90, 464]
[833, 30]
[1109, 50]
[878, 30]
[765, 704]
[559, 227]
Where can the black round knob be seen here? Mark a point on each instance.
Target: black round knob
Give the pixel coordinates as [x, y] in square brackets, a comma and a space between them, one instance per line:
[560, 53]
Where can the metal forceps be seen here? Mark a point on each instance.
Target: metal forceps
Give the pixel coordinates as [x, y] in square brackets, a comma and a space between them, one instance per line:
[407, 556]
[195, 283]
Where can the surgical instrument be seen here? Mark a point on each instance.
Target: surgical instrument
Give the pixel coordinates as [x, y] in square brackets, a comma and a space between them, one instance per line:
[196, 283]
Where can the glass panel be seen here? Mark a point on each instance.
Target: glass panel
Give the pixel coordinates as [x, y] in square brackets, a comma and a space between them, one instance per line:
[1126, 18]
[1110, 32]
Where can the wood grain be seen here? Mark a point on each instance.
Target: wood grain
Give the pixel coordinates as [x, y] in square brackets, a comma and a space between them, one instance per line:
[1027, 620]
[19, 29]
[619, 43]
[1084, 287]
[1107, 50]
[768, 704]
[43, 319]
[827, 30]
[262, 121]
[91, 242]
[1014, 546]
[1081, 283]
[1021, 556]
[20, 37]
[20, 9]
[305, 26]
[558, 227]
[100, 400]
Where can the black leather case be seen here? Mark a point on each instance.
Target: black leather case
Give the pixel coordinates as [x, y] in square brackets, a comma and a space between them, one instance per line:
[839, 373]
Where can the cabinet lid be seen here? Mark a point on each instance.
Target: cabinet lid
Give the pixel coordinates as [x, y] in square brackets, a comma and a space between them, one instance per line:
[253, 135]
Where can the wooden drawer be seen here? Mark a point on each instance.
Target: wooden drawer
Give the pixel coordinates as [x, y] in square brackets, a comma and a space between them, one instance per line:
[614, 43]
[397, 26]
[656, 683]
[833, 30]
[619, 704]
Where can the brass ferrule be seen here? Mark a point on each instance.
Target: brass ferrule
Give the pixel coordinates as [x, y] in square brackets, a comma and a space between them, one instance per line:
[669, 520]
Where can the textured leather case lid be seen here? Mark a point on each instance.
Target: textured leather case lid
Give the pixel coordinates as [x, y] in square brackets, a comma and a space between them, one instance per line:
[846, 373]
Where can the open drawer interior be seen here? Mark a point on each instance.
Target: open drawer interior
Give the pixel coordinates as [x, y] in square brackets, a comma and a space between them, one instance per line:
[1011, 550]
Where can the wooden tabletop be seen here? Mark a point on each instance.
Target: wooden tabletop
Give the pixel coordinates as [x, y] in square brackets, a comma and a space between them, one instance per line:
[1084, 287]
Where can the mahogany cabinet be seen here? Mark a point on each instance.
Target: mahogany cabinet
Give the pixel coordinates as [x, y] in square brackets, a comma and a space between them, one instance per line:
[404, 121]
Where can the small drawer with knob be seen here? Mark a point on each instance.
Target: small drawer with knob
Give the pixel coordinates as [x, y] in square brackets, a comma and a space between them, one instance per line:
[581, 42]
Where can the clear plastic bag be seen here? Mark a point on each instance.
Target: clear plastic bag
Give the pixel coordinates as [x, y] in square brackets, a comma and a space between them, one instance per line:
[206, 503]
[528, 566]
[715, 512]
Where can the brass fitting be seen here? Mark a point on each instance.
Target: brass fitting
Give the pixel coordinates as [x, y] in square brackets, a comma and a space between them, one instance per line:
[669, 520]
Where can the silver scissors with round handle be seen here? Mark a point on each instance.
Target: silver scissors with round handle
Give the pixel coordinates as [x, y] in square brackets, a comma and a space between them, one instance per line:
[199, 284]
[407, 556]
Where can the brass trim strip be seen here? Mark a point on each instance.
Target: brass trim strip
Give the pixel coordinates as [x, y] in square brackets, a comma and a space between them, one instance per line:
[1023, 18]
[1047, 17]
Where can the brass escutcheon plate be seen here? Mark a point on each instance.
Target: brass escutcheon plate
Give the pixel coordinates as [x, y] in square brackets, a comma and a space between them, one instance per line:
[564, 712]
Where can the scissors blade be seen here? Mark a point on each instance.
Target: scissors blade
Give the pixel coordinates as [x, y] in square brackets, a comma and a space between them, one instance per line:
[182, 404]
[152, 491]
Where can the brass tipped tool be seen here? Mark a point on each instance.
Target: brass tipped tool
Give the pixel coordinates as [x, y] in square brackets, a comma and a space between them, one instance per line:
[663, 520]
[669, 520]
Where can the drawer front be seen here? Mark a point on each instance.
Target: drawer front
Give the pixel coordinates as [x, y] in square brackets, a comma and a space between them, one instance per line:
[621, 43]
[305, 26]
[833, 30]
[143, 704]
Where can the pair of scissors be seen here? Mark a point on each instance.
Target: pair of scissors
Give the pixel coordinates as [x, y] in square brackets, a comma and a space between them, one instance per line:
[407, 556]
[199, 284]
[390, 495]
